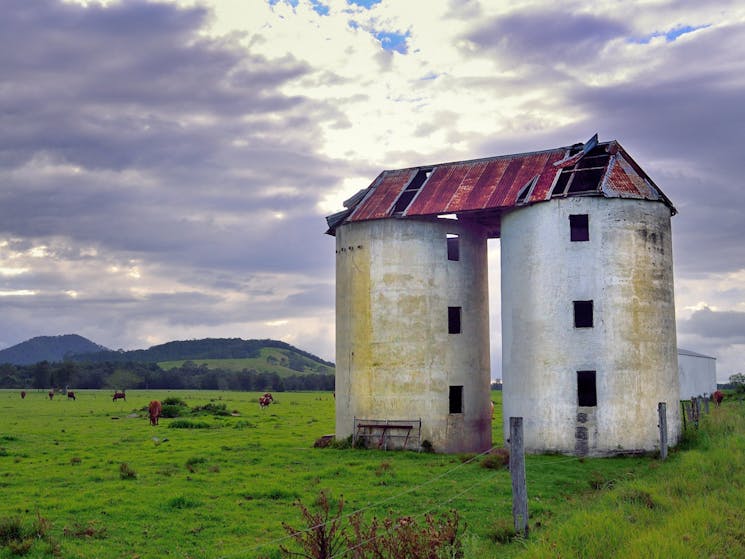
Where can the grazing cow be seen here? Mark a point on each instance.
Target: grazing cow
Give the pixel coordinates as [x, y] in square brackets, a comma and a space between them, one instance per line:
[718, 396]
[265, 400]
[51, 394]
[154, 410]
[70, 395]
[119, 395]
[23, 394]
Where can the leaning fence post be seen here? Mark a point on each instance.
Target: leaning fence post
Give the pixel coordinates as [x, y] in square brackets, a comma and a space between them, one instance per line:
[662, 410]
[706, 405]
[517, 473]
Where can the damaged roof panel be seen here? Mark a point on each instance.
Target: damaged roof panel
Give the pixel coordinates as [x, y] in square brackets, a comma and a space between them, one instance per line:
[487, 187]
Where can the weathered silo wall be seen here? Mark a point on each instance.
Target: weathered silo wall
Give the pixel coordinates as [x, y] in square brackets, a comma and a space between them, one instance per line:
[626, 359]
[395, 357]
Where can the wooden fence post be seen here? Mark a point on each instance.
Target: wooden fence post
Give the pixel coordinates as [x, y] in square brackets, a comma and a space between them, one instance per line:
[706, 405]
[517, 473]
[662, 410]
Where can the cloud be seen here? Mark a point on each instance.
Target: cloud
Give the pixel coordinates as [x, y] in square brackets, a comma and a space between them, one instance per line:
[545, 36]
[724, 325]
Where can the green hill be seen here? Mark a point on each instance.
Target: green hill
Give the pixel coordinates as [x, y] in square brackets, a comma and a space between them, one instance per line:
[210, 349]
[284, 362]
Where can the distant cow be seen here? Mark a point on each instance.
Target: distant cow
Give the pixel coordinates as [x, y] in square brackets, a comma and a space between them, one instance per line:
[70, 395]
[718, 396]
[265, 400]
[119, 395]
[23, 394]
[51, 394]
[154, 410]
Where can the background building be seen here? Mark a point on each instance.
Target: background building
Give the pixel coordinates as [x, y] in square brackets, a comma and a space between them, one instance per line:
[698, 374]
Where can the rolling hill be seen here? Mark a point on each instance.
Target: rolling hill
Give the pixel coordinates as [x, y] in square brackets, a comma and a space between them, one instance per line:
[48, 348]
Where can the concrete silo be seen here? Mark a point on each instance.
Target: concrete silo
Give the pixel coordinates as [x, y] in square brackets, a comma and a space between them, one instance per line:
[589, 344]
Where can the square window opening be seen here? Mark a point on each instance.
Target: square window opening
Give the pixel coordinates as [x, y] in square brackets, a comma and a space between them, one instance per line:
[453, 247]
[456, 399]
[583, 314]
[579, 226]
[454, 320]
[586, 389]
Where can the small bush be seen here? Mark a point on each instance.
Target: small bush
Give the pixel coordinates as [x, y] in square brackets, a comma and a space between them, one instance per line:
[503, 531]
[19, 540]
[174, 401]
[212, 409]
[193, 462]
[497, 459]
[188, 424]
[171, 411]
[243, 424]
[427, 446]
[126, 471]
[182, 503]
[11, 528]
[89, 530]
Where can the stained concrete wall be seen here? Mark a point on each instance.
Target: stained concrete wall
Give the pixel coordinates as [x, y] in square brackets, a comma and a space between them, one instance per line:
[626, 270]
[394, 356]
[698, 374]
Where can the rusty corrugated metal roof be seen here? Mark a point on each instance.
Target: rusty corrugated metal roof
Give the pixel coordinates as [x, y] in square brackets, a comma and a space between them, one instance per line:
[482, 189]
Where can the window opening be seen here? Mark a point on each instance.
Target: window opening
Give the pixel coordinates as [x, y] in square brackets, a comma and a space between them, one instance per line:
[456, 399]
[411, 190]
[453, 247]
[583, 314]
[454, 320]
[585, 176]
[526, 190]
[586, 389]
[579, 226]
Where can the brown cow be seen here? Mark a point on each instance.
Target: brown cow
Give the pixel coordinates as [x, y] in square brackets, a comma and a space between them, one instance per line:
[51, 394]
[119, 395]
[718, 396]
[70, 395]
[154, 410]
[265, 400]
[23, 394]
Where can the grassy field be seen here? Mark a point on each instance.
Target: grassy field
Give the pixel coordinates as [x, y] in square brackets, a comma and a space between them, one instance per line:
[103, 483]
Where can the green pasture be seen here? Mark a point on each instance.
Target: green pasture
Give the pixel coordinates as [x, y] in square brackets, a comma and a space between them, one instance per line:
[106, 484]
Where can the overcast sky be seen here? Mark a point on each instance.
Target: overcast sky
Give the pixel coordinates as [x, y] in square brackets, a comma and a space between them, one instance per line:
[165, 167]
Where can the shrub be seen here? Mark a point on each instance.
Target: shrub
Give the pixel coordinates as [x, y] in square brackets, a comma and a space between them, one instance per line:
[11, 528]
[89, 530]
[188, 424]
[174, 401]
[126, 471]
[503, 531]
[170, 411]
[213, 409]
[497, 459]
[391, 538]
[182, 503]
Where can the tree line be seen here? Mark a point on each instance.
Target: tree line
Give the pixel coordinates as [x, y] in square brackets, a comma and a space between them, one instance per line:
[133, 375]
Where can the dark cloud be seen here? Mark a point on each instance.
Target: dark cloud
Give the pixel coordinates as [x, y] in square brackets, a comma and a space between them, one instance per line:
[728, 326]
[546, 36]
